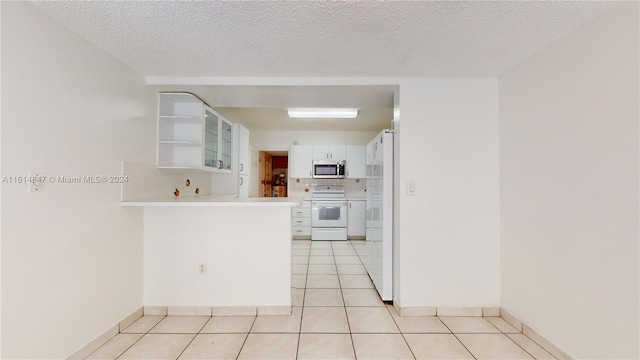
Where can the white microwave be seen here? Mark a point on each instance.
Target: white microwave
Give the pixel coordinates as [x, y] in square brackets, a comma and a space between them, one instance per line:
[328, 169]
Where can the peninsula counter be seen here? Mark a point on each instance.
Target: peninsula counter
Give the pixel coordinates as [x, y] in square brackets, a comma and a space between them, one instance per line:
[228, 254]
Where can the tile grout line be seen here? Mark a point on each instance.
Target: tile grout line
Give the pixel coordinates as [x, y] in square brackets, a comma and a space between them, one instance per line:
[353, 345]
[304, 295]
[388, 311]
[111, 338]
[525, 350]
[401, 333]
[505, 335]
[194, 336]
[140, 338]
[247, 337]
[457, 338]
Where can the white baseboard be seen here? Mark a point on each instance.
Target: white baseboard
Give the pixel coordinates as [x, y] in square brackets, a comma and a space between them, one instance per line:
[487, 312]
[535, 336]
[103, 338]
[459, 311]
[546, 344]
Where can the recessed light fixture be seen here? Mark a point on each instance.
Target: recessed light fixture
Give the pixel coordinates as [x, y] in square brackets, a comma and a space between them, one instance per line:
[322, 113]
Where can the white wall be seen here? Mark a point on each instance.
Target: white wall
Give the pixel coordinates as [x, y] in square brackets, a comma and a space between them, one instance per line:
[282, 140]
[569, 189]
[449, 232]
[448, 235]
[71, 256]
[246, 265]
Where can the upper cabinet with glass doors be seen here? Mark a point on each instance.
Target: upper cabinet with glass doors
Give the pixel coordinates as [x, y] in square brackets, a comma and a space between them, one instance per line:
[211, 136]
[192, 135]
[226, 142]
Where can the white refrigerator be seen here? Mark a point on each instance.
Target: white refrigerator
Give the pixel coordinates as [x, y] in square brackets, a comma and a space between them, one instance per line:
[378, 254]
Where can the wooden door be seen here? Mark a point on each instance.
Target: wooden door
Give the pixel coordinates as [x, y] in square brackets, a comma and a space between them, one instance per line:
[266, 174]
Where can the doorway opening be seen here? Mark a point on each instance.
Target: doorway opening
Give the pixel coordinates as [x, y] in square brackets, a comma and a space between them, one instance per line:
[273, 173]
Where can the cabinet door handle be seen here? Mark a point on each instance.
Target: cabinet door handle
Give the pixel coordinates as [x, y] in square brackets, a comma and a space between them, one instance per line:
[241, 167]
[349, 205]
[241, 181]
[220, 164]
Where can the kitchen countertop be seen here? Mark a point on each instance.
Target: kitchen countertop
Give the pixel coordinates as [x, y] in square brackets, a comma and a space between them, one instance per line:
[217, 200]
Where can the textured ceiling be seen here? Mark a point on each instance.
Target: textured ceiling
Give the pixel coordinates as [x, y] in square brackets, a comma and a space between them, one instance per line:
[171, 39]
[334, 38]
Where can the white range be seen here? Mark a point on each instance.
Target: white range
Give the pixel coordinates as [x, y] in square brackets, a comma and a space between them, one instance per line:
[328, 213]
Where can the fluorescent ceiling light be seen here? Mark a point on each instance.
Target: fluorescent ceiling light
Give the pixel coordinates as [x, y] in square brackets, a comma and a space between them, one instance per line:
[322, 113]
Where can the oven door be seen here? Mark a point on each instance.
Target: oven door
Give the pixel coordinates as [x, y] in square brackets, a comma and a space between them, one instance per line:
[329, 213]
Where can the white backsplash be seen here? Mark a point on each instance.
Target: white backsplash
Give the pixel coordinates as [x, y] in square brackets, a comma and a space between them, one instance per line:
[146, 181]
[354, 188]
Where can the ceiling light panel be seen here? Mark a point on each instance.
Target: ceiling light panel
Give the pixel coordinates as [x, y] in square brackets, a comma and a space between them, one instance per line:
[332, 113]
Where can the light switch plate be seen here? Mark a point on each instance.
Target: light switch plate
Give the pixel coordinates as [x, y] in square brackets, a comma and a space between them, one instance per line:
[411, 188]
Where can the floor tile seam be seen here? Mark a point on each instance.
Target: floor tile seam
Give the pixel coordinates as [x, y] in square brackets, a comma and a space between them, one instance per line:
[290, 332]
[205, 324]
[542, 347]
[460, 341]
[407, 343]
[477, 333]
[492, 324]
[344, 308]
[185, 348]
[246, 337]
[106, 342]
[482, 317]
[156, 324]
[180, 333]
[130, 346]
[525, 350]
[304, 295]
[340, 287]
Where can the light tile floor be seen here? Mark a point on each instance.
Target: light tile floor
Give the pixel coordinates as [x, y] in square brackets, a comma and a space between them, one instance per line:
[336, 314]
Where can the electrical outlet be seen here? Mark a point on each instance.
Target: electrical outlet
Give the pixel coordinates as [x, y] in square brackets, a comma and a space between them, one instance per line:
[35, 182]
[203, 268]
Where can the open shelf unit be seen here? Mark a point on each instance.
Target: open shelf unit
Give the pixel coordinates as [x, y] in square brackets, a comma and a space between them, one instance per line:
[192, 135]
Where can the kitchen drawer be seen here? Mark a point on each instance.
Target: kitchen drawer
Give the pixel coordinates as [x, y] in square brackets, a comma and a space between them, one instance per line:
[301, 221]
[300, 212]
[301, 230]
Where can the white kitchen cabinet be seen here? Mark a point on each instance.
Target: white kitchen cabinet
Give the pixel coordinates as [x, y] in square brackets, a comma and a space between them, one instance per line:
[226, 145]
[180, 131]
[211, 139]
[243, 186]
[301, 221]
[242, 134]
[218, 141]
[300, 160]
[356, 161]
[242, 154]
[356, 219]
[192, 135]
[329, 152]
